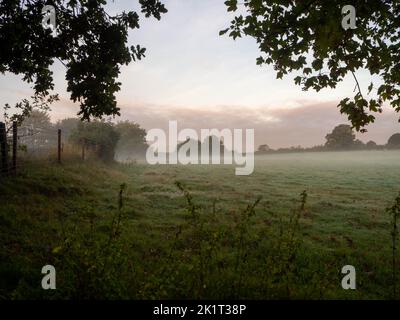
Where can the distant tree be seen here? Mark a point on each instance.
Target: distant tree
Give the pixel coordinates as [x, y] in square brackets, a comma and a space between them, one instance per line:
[214, 141]
[342, 137]
[358, 145]
[192, 142]
[99, 136]
[371, 145]
[394, 141]
[23, 109]
[264, 148]
[36, 131]
[37, 120]
[291, 149]
[188, 145]
[132, 141]
[318, 148]
[208, 143]
[307, 36]
[67, 126]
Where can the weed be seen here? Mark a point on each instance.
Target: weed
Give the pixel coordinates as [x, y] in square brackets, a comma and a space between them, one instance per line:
[394, 212]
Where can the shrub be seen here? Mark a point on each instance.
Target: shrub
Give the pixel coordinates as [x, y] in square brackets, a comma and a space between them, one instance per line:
[98, 136]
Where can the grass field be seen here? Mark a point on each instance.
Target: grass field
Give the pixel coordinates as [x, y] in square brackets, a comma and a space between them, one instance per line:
[211, 235]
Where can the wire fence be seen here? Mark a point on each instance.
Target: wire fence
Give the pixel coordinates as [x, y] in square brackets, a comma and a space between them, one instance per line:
[21, 146]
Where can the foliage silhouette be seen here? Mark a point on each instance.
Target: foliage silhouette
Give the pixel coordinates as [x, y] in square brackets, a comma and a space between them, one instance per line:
[307, 36]
[89, 42]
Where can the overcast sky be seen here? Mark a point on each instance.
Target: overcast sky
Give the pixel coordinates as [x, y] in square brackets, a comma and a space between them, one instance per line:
[193, 75]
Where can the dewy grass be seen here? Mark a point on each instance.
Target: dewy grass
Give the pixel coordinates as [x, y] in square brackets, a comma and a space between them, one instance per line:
[209, 236]
[394, 212]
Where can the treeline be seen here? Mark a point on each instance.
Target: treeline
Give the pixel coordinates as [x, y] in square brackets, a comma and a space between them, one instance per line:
[124, 140]
[343, 138]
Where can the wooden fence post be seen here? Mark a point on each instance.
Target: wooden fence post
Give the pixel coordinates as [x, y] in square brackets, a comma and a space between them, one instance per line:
[3, 149]
[14, 149]
[59, 146]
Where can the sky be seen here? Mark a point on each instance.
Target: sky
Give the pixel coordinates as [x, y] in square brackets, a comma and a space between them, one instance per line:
[202, 80]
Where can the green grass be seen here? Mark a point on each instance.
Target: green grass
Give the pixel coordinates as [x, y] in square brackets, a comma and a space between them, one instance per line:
[209, 243]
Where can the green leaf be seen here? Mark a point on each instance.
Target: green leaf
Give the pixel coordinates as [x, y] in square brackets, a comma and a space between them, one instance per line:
[56, 249]
[222, 32]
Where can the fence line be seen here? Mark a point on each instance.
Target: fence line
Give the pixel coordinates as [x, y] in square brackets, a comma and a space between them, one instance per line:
[21, 145]
[14, 150]
[3, 148]
[40, 142]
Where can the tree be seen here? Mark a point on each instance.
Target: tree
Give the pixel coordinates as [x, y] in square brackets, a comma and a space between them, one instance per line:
[67, 126]
[36, 131]
[358, 145]
[371, 145]
[89, 42]
[37, 120]
[189, 142]
[132, 141]
[98, 136]
[209, 143]
[264, 148]
[342, 137]
[39, 103]
[308, 36]
[394, 141]
[213, 142]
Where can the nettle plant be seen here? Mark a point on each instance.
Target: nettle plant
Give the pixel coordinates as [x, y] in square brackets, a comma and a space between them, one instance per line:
[308, 37]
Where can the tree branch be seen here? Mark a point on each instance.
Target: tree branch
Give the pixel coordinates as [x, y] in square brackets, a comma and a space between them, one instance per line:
[357, 84]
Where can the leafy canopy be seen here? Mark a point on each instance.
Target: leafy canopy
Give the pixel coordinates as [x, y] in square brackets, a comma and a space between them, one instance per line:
[131, 134]
[98, 135]
[37, 120]
[132, 141]
[307, 36]
[394, 141]
[341, 137]
[91, 43]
